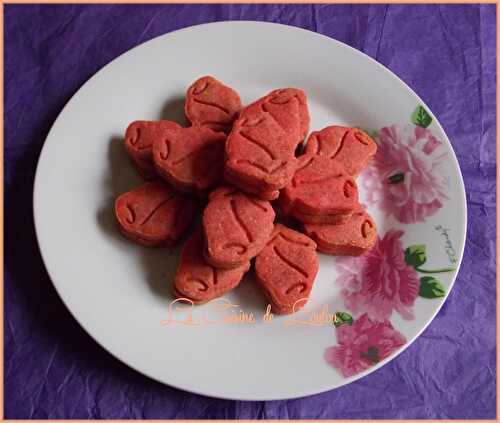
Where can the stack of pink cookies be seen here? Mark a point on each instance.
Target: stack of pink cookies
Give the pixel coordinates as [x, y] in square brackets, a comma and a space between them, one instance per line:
[232, 162]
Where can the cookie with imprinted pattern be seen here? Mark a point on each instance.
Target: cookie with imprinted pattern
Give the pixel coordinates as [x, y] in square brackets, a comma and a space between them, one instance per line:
[154, 214]
[211, 103]
[351, 147]
[190, 159]
[321, 191]
[139, 138]
[260, 150]
[236, 227]
[199, 281]
[356, 236]
[286, 268]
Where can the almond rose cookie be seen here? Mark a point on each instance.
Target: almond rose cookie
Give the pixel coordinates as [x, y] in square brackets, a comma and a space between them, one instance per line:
[211, 103]
[353, 237]
[349, 146]
[154, 214]
[139, 138]
[236, 227]
[262, 193]
[199, 281]
[286, 269]
[321, 191]
[260, 150]
[284, 95]
[190, 159]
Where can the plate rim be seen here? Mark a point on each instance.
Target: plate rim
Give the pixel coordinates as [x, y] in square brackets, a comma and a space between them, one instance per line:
[300, 393]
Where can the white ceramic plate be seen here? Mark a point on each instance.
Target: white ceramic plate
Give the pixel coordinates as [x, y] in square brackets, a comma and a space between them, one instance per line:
[120, 292]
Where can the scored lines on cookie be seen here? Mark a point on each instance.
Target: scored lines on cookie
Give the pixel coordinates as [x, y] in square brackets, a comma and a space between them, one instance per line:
[289, 263]
[240, 222]
[158, 207]
[209, 103]
[263, 147]
[341, 145]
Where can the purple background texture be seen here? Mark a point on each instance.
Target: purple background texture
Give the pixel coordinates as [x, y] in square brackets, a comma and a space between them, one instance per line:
[53, 369]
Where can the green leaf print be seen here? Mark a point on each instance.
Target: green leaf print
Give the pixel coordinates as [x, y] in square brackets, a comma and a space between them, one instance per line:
[420, 117]
[430, 287]
[415, 255]
[342, 318]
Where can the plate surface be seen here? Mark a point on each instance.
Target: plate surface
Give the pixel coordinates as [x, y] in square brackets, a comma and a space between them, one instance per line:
[120, 292]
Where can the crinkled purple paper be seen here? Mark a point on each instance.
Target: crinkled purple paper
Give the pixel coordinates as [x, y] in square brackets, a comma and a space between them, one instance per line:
[53, 369]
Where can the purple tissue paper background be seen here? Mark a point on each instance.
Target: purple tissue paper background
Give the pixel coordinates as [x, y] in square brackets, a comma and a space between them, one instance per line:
[53, 369]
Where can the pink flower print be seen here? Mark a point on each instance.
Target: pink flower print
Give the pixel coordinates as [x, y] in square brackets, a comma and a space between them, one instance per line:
[405, 178]
[362, 345]
[380, 281]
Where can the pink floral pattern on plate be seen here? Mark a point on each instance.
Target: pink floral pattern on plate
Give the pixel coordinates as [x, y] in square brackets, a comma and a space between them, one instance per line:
[405, 178]
[380, 281]
[363, 344]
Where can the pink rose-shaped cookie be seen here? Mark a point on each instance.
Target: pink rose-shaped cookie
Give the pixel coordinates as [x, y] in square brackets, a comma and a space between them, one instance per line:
[139, 138]
[154, 214]
[260, 150]
[353, 237]
[199, 281]
[190, 159]
[236, 227]
[211, 103]
[286, 269]
[351, 147]
[321, 191]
